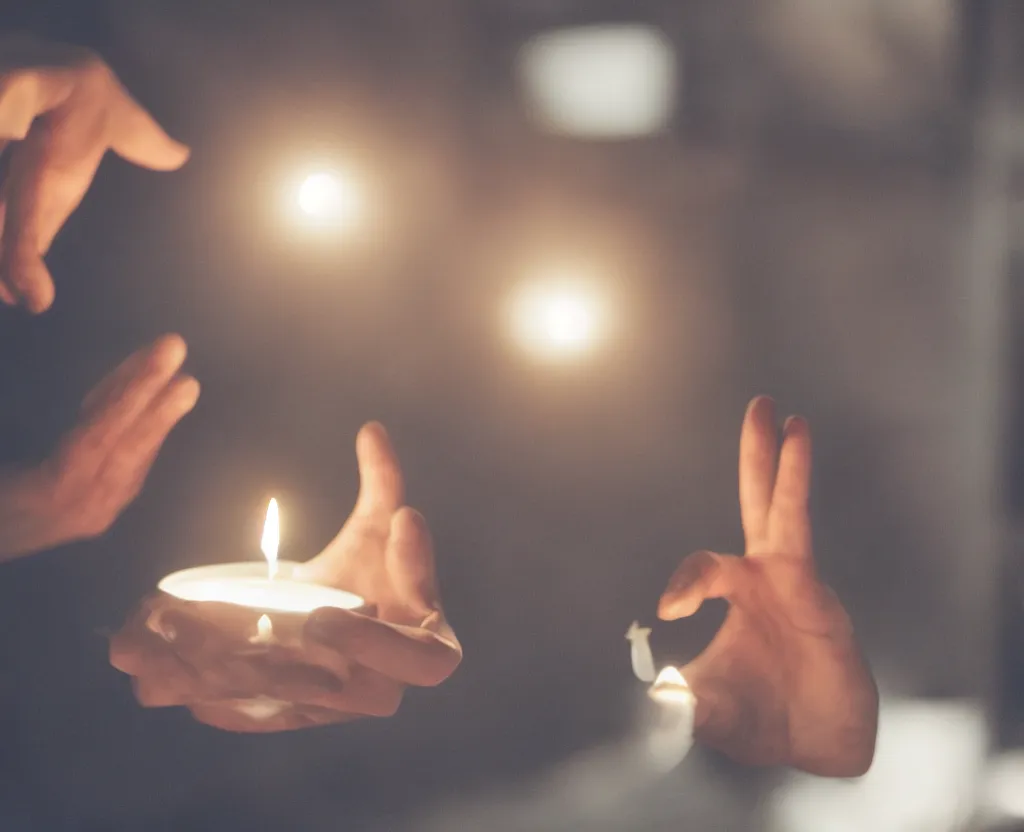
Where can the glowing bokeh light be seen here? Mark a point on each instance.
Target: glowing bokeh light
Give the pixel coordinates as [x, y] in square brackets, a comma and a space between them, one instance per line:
[328, 199]
[559, 320]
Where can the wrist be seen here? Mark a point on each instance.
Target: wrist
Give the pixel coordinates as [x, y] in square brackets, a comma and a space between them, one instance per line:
[28, 521]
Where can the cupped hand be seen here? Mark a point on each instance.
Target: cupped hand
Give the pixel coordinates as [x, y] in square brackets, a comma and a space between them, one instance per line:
[99, 467]
[333, 666]
[784, 681]
[64, 109]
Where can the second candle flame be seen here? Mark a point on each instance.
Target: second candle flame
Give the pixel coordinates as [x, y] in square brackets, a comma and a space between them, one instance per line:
[264, 629]
[271, 537]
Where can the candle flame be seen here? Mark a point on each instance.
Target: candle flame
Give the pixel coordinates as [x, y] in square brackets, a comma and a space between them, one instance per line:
[271, 537]
[264, 628]
[670, 688]
[670, 676]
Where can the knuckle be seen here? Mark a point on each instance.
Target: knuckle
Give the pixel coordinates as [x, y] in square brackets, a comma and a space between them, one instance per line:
[389, 705]
[17, 92]
[89, 65]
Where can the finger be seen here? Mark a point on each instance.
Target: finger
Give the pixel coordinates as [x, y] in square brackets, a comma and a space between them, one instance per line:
[137, 138]
[789, 524]
[381, 487]
[113, 383]
[27, 94]
[49, 173]
[130, 648]
[700, 576]
[160, 677]
[142, 383]
[365, 692]
[236, 716]
[757, 468]
[130, 460]
[164, 680]
[406, 654]
[7, 297]
[409, 561]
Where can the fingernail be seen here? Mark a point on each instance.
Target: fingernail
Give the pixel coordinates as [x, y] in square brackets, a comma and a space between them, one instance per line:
[760, 401]
[794, 421]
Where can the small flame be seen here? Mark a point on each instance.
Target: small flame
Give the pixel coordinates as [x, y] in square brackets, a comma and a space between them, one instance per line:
[271, 538]
[670, 676]
[670, 688]
[264, 628]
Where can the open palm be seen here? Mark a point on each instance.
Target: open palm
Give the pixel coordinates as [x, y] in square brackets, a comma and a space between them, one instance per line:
[783, 681]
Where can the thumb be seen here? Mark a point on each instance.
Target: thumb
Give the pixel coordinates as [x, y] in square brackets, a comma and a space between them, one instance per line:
[381, 488]
[410, 562]
[137, 138]
[700, 576]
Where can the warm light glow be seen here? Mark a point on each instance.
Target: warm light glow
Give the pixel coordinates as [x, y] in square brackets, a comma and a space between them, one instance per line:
[264, 628]
[271, 537]
[559, 320]
[670, 688]
[670, 676]
[329, 199]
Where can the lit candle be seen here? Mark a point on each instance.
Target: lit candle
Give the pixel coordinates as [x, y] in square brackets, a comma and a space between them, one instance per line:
[670, 689]
[274, 587]
[671, 736]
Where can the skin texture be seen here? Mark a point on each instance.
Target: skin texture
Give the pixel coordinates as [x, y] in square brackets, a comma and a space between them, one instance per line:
[332, 666]
[784, 681]
[99, 467]
[61, 110]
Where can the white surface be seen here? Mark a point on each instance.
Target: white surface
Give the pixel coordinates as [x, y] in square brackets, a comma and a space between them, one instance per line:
[247, 585]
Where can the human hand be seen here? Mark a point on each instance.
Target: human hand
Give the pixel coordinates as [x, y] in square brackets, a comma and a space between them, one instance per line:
[783, 682]
[333, 666]
[64, 108]
[99, 467]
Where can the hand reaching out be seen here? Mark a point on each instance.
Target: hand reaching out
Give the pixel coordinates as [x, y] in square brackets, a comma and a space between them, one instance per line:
[99, 467]
[64, 109]
[783, 681]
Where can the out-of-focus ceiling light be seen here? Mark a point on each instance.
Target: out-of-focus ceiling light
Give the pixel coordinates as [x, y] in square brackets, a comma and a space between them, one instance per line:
[602, 82]
[558, 319]
[327, 199]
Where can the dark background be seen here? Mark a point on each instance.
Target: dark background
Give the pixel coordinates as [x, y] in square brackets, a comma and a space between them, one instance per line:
[834, 230]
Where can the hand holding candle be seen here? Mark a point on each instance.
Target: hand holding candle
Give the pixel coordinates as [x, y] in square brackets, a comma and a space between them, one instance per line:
[784, 681]
[307, 669]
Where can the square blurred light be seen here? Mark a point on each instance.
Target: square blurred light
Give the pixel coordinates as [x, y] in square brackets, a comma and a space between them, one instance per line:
[600, 82]
[928, 763]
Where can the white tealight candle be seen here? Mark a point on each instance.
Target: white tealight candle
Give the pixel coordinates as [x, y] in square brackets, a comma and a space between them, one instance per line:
[247, 585]
[275, 586]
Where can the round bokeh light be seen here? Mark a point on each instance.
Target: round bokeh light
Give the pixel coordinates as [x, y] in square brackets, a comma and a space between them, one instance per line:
[559, 320]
